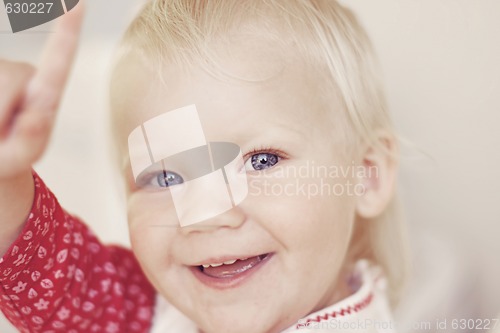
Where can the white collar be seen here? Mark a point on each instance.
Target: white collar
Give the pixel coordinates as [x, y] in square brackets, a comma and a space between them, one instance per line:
[366, 310]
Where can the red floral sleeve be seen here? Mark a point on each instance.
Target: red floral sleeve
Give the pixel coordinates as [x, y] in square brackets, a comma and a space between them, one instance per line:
[58, 277]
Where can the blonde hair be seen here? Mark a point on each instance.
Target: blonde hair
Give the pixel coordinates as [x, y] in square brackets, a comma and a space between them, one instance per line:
[328, 36]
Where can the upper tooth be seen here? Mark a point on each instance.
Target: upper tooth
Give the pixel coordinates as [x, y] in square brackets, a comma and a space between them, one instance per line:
[216, 265]
[229, 262]
[213, 265]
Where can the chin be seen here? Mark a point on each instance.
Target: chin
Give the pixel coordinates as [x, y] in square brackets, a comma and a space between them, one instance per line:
[248, 327]
[246, 322]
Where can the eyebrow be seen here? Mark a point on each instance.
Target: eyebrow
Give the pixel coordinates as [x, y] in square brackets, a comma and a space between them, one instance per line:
[275, 123]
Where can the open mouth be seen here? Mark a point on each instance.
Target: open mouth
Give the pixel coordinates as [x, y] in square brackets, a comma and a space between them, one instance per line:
[227, 273]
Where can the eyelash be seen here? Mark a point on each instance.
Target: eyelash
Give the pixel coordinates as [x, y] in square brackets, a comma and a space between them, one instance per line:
[266, 150]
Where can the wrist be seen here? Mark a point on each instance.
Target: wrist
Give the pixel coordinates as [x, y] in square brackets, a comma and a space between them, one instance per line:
[16, 199]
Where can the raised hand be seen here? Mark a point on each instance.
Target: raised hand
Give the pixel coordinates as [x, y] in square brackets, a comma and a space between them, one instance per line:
[29, 99]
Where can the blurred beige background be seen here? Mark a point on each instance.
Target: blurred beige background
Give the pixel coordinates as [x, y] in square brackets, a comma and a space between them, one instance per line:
[440, 63]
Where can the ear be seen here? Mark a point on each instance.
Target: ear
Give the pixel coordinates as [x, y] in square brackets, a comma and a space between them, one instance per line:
[380, 167]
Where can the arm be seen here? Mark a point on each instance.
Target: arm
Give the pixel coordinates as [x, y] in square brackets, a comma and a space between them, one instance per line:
[58, 277]
[16, 182]
[17, 195]
[55, 276]
[29, 99]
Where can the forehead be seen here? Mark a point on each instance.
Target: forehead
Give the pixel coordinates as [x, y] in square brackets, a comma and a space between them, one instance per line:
[253, 85]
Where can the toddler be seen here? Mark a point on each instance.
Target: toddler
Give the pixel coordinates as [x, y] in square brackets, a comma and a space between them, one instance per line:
[260, 166]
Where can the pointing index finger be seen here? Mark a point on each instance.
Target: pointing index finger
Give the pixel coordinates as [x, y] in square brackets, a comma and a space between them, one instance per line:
[57, 58]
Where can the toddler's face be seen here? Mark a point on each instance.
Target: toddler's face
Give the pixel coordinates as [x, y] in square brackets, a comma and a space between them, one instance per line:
[285, 244]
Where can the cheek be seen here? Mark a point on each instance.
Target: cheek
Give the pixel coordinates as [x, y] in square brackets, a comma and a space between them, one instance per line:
[293, 207]
[312, 226]
[322, 226]
[151, 209]
[151, 223]
[313, 233]
[330, 222]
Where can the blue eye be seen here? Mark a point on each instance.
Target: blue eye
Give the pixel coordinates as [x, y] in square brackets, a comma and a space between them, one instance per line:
[159, 178]
[261, 161]
[168, 178]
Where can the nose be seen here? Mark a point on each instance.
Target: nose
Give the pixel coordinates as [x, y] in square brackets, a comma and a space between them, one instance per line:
[232, 218]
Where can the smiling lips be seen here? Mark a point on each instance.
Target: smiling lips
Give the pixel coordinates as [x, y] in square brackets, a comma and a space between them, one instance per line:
[231, 268]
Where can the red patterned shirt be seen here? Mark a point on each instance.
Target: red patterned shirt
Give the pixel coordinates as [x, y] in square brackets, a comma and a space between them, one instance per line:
[58, 277]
